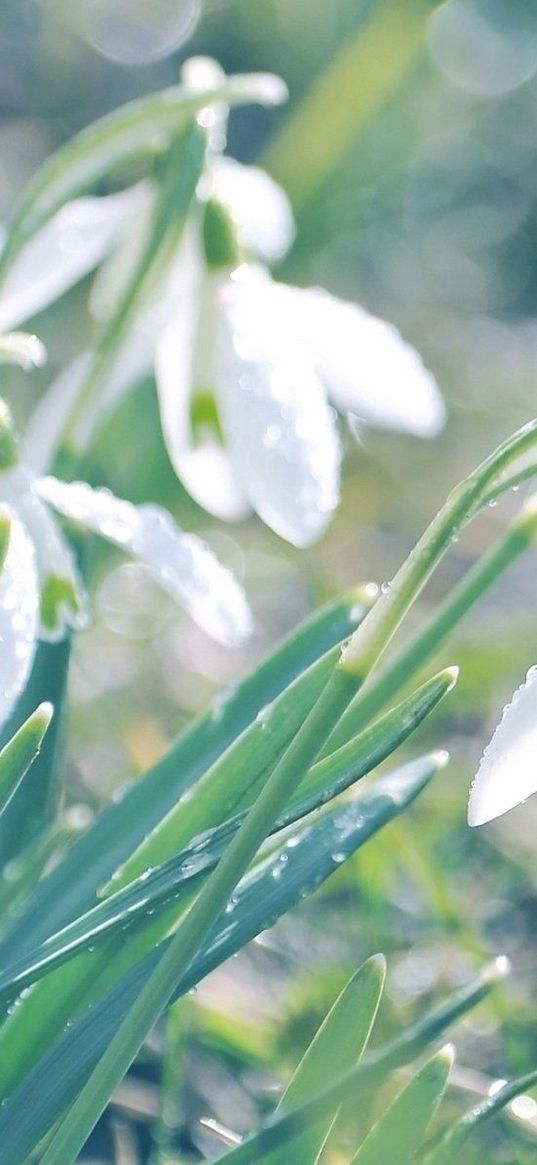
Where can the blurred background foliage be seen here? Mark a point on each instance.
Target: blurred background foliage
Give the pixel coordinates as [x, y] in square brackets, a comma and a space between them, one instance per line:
[408, 149]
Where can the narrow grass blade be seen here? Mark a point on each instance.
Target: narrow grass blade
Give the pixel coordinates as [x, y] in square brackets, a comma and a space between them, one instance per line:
[339, 1043]
[72, 886]
[397, 1136]
[21, 751]
[448, 1149]
[33, 806]
[172, 881]
[316, 851]
[140, 129]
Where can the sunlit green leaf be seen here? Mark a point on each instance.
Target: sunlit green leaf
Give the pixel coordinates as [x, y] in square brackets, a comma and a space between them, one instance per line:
[21, 751]
[398, 1134]
[339, 1043]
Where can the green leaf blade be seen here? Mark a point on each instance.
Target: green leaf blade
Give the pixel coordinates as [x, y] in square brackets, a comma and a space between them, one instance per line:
[340, 1042]
[21, 751]
[398, 1135]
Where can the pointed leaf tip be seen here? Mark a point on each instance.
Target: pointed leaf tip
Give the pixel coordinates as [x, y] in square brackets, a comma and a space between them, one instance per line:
[378, 961]
[43, 714]
[440, 758]
[498, 969]
[446, 1055]
[21, 750]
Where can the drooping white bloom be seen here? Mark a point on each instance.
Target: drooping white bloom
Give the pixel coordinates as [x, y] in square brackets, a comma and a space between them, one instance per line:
[41, 593]
[271, 358]
[507, 774]
[247, 372]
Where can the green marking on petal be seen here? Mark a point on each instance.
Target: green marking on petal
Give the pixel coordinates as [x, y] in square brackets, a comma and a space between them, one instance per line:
[9, 445]
[220, 242]
[58, 593]
[204, 416]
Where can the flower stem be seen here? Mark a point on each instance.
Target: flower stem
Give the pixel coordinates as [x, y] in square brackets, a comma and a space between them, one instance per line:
[369, 641]
[520, 536]
[183, 169]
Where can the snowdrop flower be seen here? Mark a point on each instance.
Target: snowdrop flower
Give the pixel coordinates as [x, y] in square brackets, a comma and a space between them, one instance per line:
[41, 593]
[507, 774]
[247, 371]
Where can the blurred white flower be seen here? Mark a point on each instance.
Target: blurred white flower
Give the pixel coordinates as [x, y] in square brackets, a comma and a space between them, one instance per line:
[41, 593]
[507, 774]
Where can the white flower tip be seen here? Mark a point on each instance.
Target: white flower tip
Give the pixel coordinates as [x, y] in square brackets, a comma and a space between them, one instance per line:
[507, 774]
[24, 349]
[263, 88]
[429, 416]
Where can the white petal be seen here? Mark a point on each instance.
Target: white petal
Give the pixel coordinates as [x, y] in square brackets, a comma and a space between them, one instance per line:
[19, 615]
[258, 206]
[46, 424]
[62, 252]
[116, 272]
[367, 367]
[182, 563]
[56, 568]
[48, 420]
[278, 425]
[202, 465]
[507, 774]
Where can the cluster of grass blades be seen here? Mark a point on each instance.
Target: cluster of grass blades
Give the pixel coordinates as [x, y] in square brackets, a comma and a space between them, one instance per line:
[249, 812]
